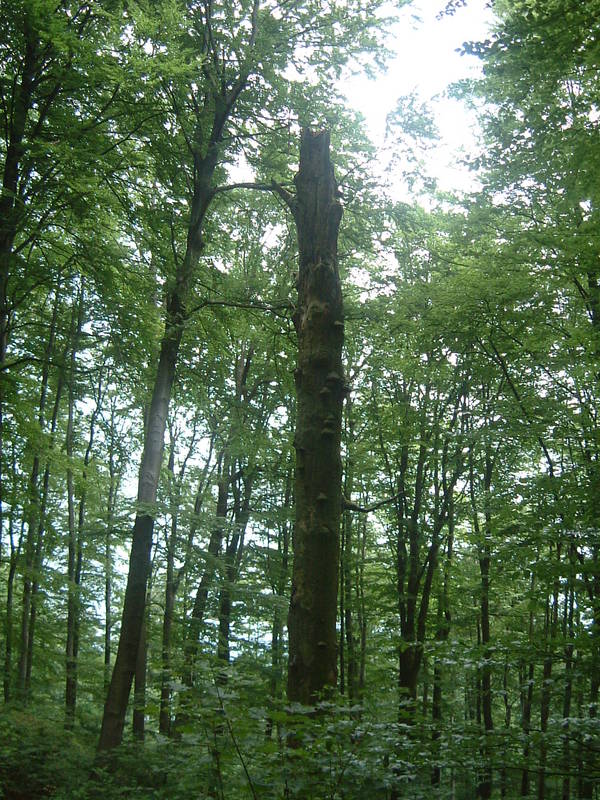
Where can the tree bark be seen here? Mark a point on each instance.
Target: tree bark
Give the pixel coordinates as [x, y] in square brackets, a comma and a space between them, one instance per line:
[138, 721]
[320, 389]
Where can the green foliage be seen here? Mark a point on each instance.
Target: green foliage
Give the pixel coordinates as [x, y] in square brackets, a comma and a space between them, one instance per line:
[39, 758]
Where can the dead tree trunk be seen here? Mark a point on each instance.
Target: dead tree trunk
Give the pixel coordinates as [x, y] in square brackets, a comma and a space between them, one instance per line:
[320, 387]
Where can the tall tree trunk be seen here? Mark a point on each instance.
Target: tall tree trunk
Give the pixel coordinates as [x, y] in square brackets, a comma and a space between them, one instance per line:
[568, 636]
[443, 631]
[484, 788]
[115, 708]
[507, 724]
[278, 586]
[590, 757]
[32, 512]
[173, 581]
[484, 539]
[15, 552]
[362, 606]
[164, 717]
[233, 555]
[212, 553]
[545, 698]
[320, 389]
[74, 534]
[527, 675]
[348, 561]
[31, 588]
[11, 209]
[113, 489]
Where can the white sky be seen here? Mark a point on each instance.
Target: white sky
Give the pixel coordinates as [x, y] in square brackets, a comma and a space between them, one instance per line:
[426, 62]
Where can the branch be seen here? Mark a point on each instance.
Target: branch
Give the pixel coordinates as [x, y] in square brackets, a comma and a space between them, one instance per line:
[348, 505]
[229, 187]
[287, 197]
[279, 309]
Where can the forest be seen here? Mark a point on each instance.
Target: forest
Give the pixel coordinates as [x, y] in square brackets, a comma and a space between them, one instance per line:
[299, 472]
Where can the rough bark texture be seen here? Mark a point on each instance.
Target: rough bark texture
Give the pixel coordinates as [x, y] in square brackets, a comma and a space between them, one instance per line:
[320, 388]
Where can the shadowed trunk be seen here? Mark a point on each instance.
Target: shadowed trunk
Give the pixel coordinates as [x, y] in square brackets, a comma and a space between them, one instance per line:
[527, 680]
[320, 388]
[233, 554]
[551, 627]
[443, 631]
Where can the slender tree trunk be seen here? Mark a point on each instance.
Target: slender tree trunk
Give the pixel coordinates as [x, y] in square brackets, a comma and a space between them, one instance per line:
[484, 538]
[115, 708]
[590, 756]
[568, 635]
[164, 717]
[279, 586]
[11, 209]
[164, 723]
[320, 389]
[30, 603]
[443, 631]
[139, 562]
[74, 535]
[15, 552]
[173, 582]
[485, 785]
[212, 553]
[10, 584]
[33, 510]
[71, 666]
[550, 635]
[110, 520]
[507, 724]
[232, 559]
[527, 681]
[362, 607]
[347, 635]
